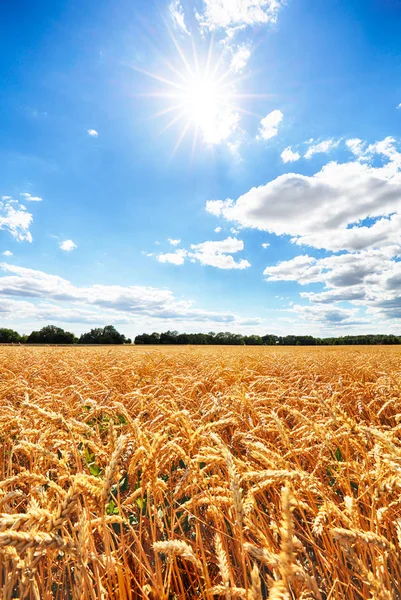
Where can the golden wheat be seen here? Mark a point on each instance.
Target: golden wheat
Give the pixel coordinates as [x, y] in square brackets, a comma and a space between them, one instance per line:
[218, 472]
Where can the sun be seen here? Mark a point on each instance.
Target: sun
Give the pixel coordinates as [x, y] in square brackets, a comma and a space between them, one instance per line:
[200, 95]
[202, 99]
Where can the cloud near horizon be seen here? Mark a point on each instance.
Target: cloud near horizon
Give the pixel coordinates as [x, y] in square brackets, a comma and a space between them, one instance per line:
[49, 297]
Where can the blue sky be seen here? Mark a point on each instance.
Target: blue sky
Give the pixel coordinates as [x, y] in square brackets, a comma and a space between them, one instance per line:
[149, 149]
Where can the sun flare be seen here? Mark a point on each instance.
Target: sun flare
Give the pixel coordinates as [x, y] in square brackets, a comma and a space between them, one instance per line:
[201, 95]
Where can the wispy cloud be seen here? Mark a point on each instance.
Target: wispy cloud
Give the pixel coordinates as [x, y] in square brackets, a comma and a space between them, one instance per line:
[178, 16]
[29, 198]
[321, 147]
[240, 57]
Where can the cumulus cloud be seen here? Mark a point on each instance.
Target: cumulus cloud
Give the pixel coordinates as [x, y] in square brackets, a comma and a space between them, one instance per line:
[265, 245]
[226, 14]
[174, 242]
[174, 258]
[219, 253]
[67, 245]
[216, 254]
[321, 147]
[29, 198]
[344, 206]
[370, 279]
[217, 229]
[15, 219]
[329, 316]
[28, 293]
[178, 16]
[93, 132]
[356, 146]
[288, 155]
[7, 253]
[269, 125]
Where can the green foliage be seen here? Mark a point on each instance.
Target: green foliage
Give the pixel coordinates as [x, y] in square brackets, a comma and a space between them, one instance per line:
[9, 336]
[107, 335]
[231, 339]
[51, 335]
[90, 460]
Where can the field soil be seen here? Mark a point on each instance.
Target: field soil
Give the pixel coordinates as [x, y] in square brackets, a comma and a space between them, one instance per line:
[200, 472]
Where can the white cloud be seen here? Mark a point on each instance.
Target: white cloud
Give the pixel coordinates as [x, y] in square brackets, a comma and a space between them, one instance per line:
[7, 253]
[321, 148]
[57, 299]
[265, 245]
[218, 253]
[5, 198]
[227, 14]
[211, 253]
[93, 132]
[240, 58]
[15, 219]
[67, 245]
[234, 231]
[269, 125]
[30, 198]
[220, 126]
[288, 155]
[368, 279]
[177, 15]
[174, 258]
[329, 316]
[344, 206]
[217, 229]
[399, 106]
[174, 242]
[356, 146]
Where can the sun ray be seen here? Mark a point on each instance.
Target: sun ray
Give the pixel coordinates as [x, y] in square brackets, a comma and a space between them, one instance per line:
[166, 111]
[159, 78]
[209, 54]
[183, 134]
[194, 142]
[201, 92]
[172, 122]
[180, 52]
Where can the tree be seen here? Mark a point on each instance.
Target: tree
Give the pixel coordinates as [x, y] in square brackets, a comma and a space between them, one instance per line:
[253, 340]
[9, 336]
[107, 335]
[51, 335]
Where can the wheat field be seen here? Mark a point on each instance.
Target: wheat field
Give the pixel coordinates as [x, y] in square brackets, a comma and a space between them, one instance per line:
[217, 472]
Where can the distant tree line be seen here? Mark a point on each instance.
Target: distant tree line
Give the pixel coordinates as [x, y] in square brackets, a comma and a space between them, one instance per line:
[236, 339]
[109, 335]
[55, 335]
